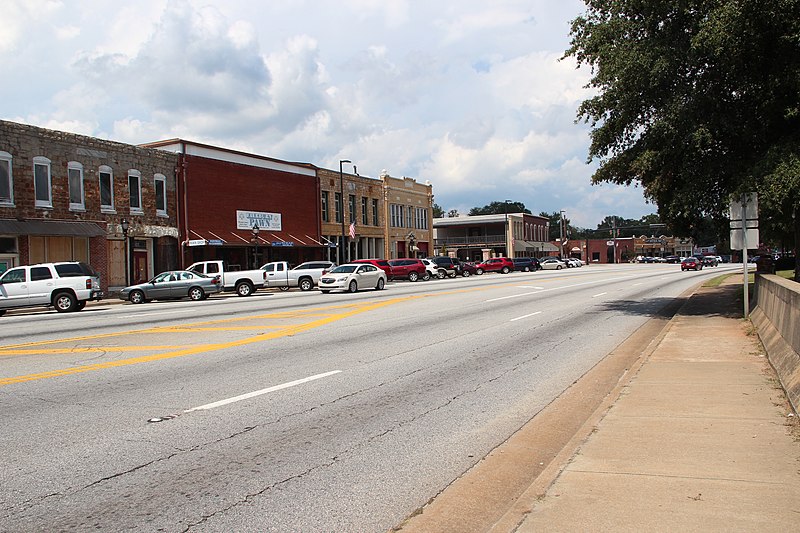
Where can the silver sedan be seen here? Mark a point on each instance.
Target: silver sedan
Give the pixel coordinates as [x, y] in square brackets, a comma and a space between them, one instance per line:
[171, 285]
[352, 277]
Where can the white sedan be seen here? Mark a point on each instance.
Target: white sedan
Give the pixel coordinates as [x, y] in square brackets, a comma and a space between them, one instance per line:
[351, 277]
[552, 263]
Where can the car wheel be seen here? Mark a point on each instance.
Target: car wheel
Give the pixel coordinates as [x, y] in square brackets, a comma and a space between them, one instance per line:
[441, 274]
[426, 276]
[2, 312]
[381, 284]
[324, 292]
[64, 302]
[465, 273]
[413, 276]
[479, 272]
[284, 288]
[244, 289]
[505, 270]
[353, 287]
[196, 294]
[558, 267]
[80, 305]
[454, 274]
[306, 284]
[136, 297]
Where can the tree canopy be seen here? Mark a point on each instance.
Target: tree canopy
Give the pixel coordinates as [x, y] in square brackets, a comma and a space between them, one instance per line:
[498, 208]
[695, 100]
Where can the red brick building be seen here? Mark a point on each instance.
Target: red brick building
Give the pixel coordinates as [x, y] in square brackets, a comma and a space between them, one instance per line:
[225, 193]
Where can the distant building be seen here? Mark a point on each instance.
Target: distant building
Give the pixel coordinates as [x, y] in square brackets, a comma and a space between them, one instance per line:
[479, 237]
[409, 217]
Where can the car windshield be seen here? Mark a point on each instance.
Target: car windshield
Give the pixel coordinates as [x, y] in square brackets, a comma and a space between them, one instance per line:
[344, 269]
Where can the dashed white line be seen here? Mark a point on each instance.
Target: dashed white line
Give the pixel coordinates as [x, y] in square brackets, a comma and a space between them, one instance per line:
[260, 392]
[525, 316]
[600, 294]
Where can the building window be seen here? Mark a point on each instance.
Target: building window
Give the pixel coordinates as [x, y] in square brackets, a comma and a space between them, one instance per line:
[106, 189]
[160, 182]
[6, 181]
[41, 182]
[351, 200]
[421, 221]
[337, 197]
[398, 215]
[374, 212]
[364, 211]
[75, 180]
[410, 219]
[135, 190]
[325, 206]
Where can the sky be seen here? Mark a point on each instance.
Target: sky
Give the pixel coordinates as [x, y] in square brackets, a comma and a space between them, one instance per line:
[471, 95]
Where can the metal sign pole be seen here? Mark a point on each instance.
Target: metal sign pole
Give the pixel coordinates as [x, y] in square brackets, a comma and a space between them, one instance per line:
[744, 257]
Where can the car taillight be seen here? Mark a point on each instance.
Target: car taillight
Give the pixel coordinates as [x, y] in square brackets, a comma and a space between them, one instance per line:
[324, 271]
[88, 283]
[217, 281]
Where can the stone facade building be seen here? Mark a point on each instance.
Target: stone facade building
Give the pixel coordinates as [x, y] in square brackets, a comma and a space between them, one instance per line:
[408, 211]
[64, 197]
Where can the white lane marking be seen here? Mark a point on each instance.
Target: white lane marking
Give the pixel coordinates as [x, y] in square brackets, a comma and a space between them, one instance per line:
[529, 287]
[559, 288]
[260, 392]
[600, 294]
[637, 284]
[525, 316]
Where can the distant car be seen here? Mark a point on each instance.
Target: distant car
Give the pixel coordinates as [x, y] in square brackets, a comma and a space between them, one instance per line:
[451, 265]
[353, 277]
[171, 285]
[408, 268]
[673, 259]
[504, 265]
[526, 264]
[691, 263]
[434, 270]
[468, 269]
[552, 263]
[573, 262]
[383, 264]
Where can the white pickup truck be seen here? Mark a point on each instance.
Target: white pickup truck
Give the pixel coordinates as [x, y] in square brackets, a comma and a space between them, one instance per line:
[244, 282]
[305, 275]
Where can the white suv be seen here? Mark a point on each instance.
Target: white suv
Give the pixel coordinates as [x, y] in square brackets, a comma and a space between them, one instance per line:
[66, 286]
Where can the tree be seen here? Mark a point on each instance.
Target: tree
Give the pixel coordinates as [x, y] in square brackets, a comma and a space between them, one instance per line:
[452, 213]
[555, 226]
[696, 100]
[438, 212]
[498, 208]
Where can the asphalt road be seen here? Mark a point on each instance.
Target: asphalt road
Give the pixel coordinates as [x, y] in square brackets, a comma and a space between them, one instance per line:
[294, 411]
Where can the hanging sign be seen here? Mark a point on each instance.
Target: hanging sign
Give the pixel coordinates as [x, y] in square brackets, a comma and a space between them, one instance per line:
[265, 221]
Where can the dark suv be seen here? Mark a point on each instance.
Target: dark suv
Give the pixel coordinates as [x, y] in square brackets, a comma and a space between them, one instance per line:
[526, 264]
[451, 266]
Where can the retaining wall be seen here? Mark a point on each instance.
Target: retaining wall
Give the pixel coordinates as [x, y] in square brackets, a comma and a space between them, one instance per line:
[777, 318]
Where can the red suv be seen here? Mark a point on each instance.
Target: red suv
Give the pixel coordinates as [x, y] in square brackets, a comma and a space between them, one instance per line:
[411, 269]
[383, 264]
[496, 264]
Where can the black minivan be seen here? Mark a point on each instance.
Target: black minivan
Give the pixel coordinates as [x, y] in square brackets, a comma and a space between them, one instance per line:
[526, 264]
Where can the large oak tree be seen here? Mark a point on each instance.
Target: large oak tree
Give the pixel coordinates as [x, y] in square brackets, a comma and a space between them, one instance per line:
[695, 100]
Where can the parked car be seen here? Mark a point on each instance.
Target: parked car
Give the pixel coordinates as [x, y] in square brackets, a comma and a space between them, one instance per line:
[504, 265]
[673, 259]
[552, 263]
[244, 282]
[383, 264]
[173, 284]
[433, 270]
[526, 264]
[451, 265]
[468, 269]
[408, 268]
[573, 262]
[65, 286]
[305, 275]
[352, 277]
[691, 263]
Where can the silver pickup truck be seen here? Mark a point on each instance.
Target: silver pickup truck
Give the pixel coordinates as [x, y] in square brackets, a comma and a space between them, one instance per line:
[305, 275]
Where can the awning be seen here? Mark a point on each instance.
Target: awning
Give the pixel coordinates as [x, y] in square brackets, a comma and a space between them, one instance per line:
[51, 227]
[245, 238]
[533, 246]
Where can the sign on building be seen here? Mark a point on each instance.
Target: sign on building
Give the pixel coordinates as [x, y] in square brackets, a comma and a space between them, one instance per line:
[265, 221]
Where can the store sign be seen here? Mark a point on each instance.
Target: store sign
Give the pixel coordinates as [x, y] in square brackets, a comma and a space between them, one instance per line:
[215, 242]
[265, 221]
[196, 242]
[282, 243]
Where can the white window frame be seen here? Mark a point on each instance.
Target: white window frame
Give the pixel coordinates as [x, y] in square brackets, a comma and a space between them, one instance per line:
[7, 158]
[41, 161]
[160, 178]
[132, 173]
[74, 166]
[105, 169]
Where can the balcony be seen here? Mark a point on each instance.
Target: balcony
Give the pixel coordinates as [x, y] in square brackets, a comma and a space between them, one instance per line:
[472, 240]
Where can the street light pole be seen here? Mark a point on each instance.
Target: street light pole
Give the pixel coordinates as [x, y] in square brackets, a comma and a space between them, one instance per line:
[341, 199]
[254, 230]
[563, 232]
[507, 254]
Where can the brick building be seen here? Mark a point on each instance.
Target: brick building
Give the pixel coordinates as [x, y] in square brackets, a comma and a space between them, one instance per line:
[225, 193]
[362, 207]
[408, 211]
[479, 237]
[64, 196]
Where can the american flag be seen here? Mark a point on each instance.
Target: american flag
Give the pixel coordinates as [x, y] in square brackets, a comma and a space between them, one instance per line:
[352, 230]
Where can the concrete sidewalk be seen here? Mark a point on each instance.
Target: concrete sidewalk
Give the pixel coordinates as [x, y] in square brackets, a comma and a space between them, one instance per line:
[700, 439]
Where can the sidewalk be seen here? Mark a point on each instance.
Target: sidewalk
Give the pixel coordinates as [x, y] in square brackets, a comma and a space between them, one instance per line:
[698, 440]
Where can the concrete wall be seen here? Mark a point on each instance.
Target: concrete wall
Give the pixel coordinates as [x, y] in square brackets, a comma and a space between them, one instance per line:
[777, 318]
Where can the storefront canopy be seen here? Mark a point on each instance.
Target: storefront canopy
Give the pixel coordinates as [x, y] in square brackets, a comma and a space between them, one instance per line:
[51, 227]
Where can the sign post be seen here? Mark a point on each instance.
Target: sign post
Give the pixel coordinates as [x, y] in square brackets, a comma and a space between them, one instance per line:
[744, 229]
